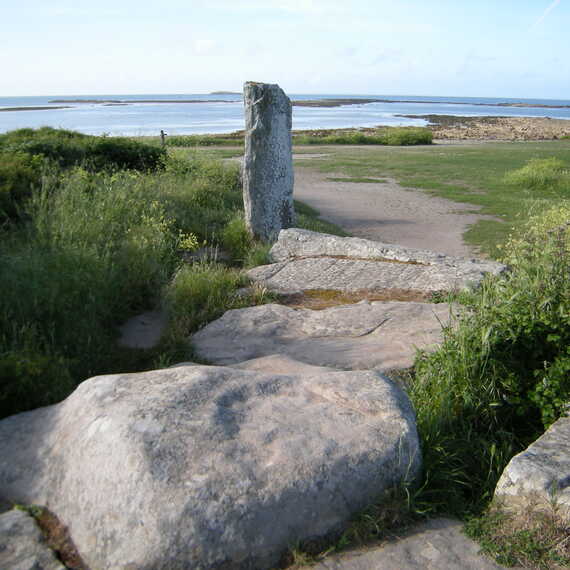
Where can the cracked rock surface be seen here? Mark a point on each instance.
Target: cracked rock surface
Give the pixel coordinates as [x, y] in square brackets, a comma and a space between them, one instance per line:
[308, 260]
[366, 335]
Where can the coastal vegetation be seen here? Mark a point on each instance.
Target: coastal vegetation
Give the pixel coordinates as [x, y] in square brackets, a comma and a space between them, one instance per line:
[392, 136]
[94, 230]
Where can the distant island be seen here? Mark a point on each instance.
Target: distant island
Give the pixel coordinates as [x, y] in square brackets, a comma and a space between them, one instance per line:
[44, 108]
[225, 93]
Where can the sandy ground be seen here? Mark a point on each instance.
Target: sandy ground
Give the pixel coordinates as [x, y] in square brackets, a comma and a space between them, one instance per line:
[387, 212]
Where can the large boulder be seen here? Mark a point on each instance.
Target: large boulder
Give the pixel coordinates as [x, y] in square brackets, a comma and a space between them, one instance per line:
[306, 260]
[539, 477]
[362, 336]
[209, 467]
[22, 545]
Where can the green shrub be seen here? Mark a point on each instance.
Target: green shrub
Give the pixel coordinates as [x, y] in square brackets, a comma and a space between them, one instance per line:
[69, 148]
[199, 293]
[19, 173]
[541, 174]
[30, 379]
[236, 239]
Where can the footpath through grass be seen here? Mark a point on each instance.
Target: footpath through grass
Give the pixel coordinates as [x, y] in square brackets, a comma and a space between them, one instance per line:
[474, 174]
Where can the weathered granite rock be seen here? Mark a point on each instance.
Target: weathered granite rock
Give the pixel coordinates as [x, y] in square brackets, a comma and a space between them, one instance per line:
[539, 476]
[354, 275]
[309, 260]
[22, 546]
[438, 544]
[294, 243]
[208, 467]
[268, 163]
[362, 336]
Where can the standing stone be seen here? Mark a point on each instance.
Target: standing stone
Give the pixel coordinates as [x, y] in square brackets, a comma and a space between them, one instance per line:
[268, 163]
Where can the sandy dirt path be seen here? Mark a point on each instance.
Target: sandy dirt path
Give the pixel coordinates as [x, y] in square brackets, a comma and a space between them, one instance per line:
[386, 211]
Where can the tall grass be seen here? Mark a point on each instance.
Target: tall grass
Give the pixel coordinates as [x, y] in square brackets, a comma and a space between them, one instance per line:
[96, 248]
[502, 372]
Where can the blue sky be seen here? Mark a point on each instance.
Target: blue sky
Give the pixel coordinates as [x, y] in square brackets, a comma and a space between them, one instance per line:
[503, 48]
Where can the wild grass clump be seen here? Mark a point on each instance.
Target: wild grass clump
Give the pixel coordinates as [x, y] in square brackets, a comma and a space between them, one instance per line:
[200, 293]
[396, 136]
[531, 538]
[502, 372]
[550, 174]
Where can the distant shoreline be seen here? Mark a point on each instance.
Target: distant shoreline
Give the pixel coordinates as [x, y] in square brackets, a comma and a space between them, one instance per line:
[313, 102]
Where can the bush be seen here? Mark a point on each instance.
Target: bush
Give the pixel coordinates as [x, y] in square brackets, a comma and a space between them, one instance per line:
[30, 379]
[541, 174]
[19, 173]
[69, 148]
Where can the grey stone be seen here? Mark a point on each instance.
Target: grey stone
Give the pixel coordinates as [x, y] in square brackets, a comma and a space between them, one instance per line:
[438, 544]
[268, 164]
[295, 243]
[22, 546]
[309, 260]
[540, 475]
[362, 336]
[355, 275]
[209, 467]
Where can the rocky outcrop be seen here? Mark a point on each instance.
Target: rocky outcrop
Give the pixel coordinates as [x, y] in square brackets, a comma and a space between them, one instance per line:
[308, 260]
[22, 546]
[539, 477]
[378, 335]
[209, 467]
[268, 163]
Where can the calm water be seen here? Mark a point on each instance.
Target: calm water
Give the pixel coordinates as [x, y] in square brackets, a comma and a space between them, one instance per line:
[224, 117]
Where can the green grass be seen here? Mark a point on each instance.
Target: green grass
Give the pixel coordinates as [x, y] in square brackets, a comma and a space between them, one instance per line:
[471, 174]
[530, 539]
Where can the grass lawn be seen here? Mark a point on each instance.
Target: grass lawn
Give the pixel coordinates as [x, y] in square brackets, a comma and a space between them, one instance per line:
[468, 173]
[473, 174]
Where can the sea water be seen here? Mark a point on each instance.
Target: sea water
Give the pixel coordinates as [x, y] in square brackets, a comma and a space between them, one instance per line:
[223, 113]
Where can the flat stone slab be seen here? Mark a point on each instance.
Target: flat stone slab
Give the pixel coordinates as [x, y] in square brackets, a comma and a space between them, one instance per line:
[366, 335]
[539, 476]
[308, 260]
[438, 544]
[22, 545]
[209, 467]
